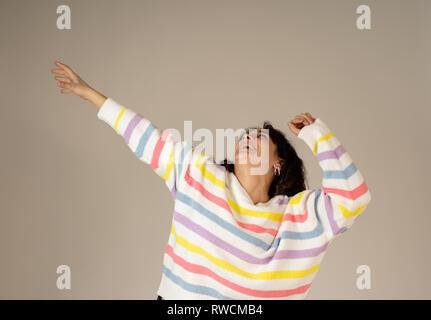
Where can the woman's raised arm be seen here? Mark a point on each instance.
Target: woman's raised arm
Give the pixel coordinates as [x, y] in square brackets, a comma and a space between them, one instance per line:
[166, 156]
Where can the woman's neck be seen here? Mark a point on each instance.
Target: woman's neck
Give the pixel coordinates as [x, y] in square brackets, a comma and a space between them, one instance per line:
[257, 186]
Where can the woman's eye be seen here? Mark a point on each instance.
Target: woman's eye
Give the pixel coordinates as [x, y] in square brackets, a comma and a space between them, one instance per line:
[263, 136]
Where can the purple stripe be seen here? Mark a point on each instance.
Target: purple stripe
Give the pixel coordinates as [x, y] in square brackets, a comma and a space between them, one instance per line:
[296, 254]
[174, 191]
[330, 213]
[216, 166]
[281, 254]
[331, 154]
[132, 124]
[220, 167]
[284, 200]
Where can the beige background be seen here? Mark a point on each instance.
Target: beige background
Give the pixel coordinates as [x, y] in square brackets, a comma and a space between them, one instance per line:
[73, 193]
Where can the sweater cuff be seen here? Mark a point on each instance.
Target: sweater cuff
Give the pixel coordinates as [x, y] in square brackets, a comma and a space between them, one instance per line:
[109, 111]
[311, 133]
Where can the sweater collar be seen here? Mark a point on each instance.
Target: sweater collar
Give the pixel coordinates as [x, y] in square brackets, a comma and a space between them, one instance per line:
[241, 195]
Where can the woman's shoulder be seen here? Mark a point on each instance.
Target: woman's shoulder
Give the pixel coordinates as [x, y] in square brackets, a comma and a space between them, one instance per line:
[296, 199]
[202, 167]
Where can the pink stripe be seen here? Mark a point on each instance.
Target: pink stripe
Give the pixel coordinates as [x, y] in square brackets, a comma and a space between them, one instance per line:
[158, 150]
[299, 218]
[223, 204]
[256, 228]
[198, 269]
[213, 198]
[349, 194]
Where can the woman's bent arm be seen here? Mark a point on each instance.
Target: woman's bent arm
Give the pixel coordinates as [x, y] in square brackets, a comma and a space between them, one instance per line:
[344, 195]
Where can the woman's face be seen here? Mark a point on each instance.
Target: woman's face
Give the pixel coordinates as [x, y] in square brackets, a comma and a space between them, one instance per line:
[255, 149]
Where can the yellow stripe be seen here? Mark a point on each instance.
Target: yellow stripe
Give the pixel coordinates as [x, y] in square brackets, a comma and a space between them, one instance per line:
[208, 174]
[265, 275]
[169, 166]
[297, 199]
[254, 213]
[325, 137]
[348, 214]
[119, 117]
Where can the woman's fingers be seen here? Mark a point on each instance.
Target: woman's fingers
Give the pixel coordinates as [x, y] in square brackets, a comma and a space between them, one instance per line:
[68, 71]
[306, 119]
[58, 71]
[308, 113]
[308, 116]
[293, 128]
[297, 119]
[300, 120]
[63, 79]
[70, 81]
[63, 66]
[64, 85]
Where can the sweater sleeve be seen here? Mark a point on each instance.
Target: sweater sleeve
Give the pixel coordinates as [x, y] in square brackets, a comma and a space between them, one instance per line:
[159, 149]
[344, 195]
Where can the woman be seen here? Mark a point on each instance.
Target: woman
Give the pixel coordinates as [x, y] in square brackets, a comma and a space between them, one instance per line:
[238, 235]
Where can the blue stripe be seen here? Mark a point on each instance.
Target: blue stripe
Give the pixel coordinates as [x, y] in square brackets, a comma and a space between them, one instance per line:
[193, 287]
[184, 151]
[340, 174]
[317, 231]
[143, 140]
[224, 224]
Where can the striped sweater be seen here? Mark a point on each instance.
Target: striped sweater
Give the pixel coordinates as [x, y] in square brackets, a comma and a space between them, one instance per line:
[221, 244]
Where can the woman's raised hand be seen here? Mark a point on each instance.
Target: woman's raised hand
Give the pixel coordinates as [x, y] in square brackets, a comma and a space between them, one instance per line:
[70, 81]
[300, 121]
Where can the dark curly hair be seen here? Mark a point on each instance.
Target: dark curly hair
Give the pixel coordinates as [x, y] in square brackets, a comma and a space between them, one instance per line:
[292, 178]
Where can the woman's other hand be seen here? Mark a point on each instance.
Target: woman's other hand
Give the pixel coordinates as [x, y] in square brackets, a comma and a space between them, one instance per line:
[70, 81]
[300, 121]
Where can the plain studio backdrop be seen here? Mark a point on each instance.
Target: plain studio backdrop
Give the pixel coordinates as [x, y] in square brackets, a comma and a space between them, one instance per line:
[73, 193]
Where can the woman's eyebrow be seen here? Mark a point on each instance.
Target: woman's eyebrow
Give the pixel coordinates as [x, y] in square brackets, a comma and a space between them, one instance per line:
[264, 134]
[253, 130]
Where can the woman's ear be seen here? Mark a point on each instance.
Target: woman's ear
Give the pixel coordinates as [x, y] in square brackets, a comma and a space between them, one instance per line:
[279, 163]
